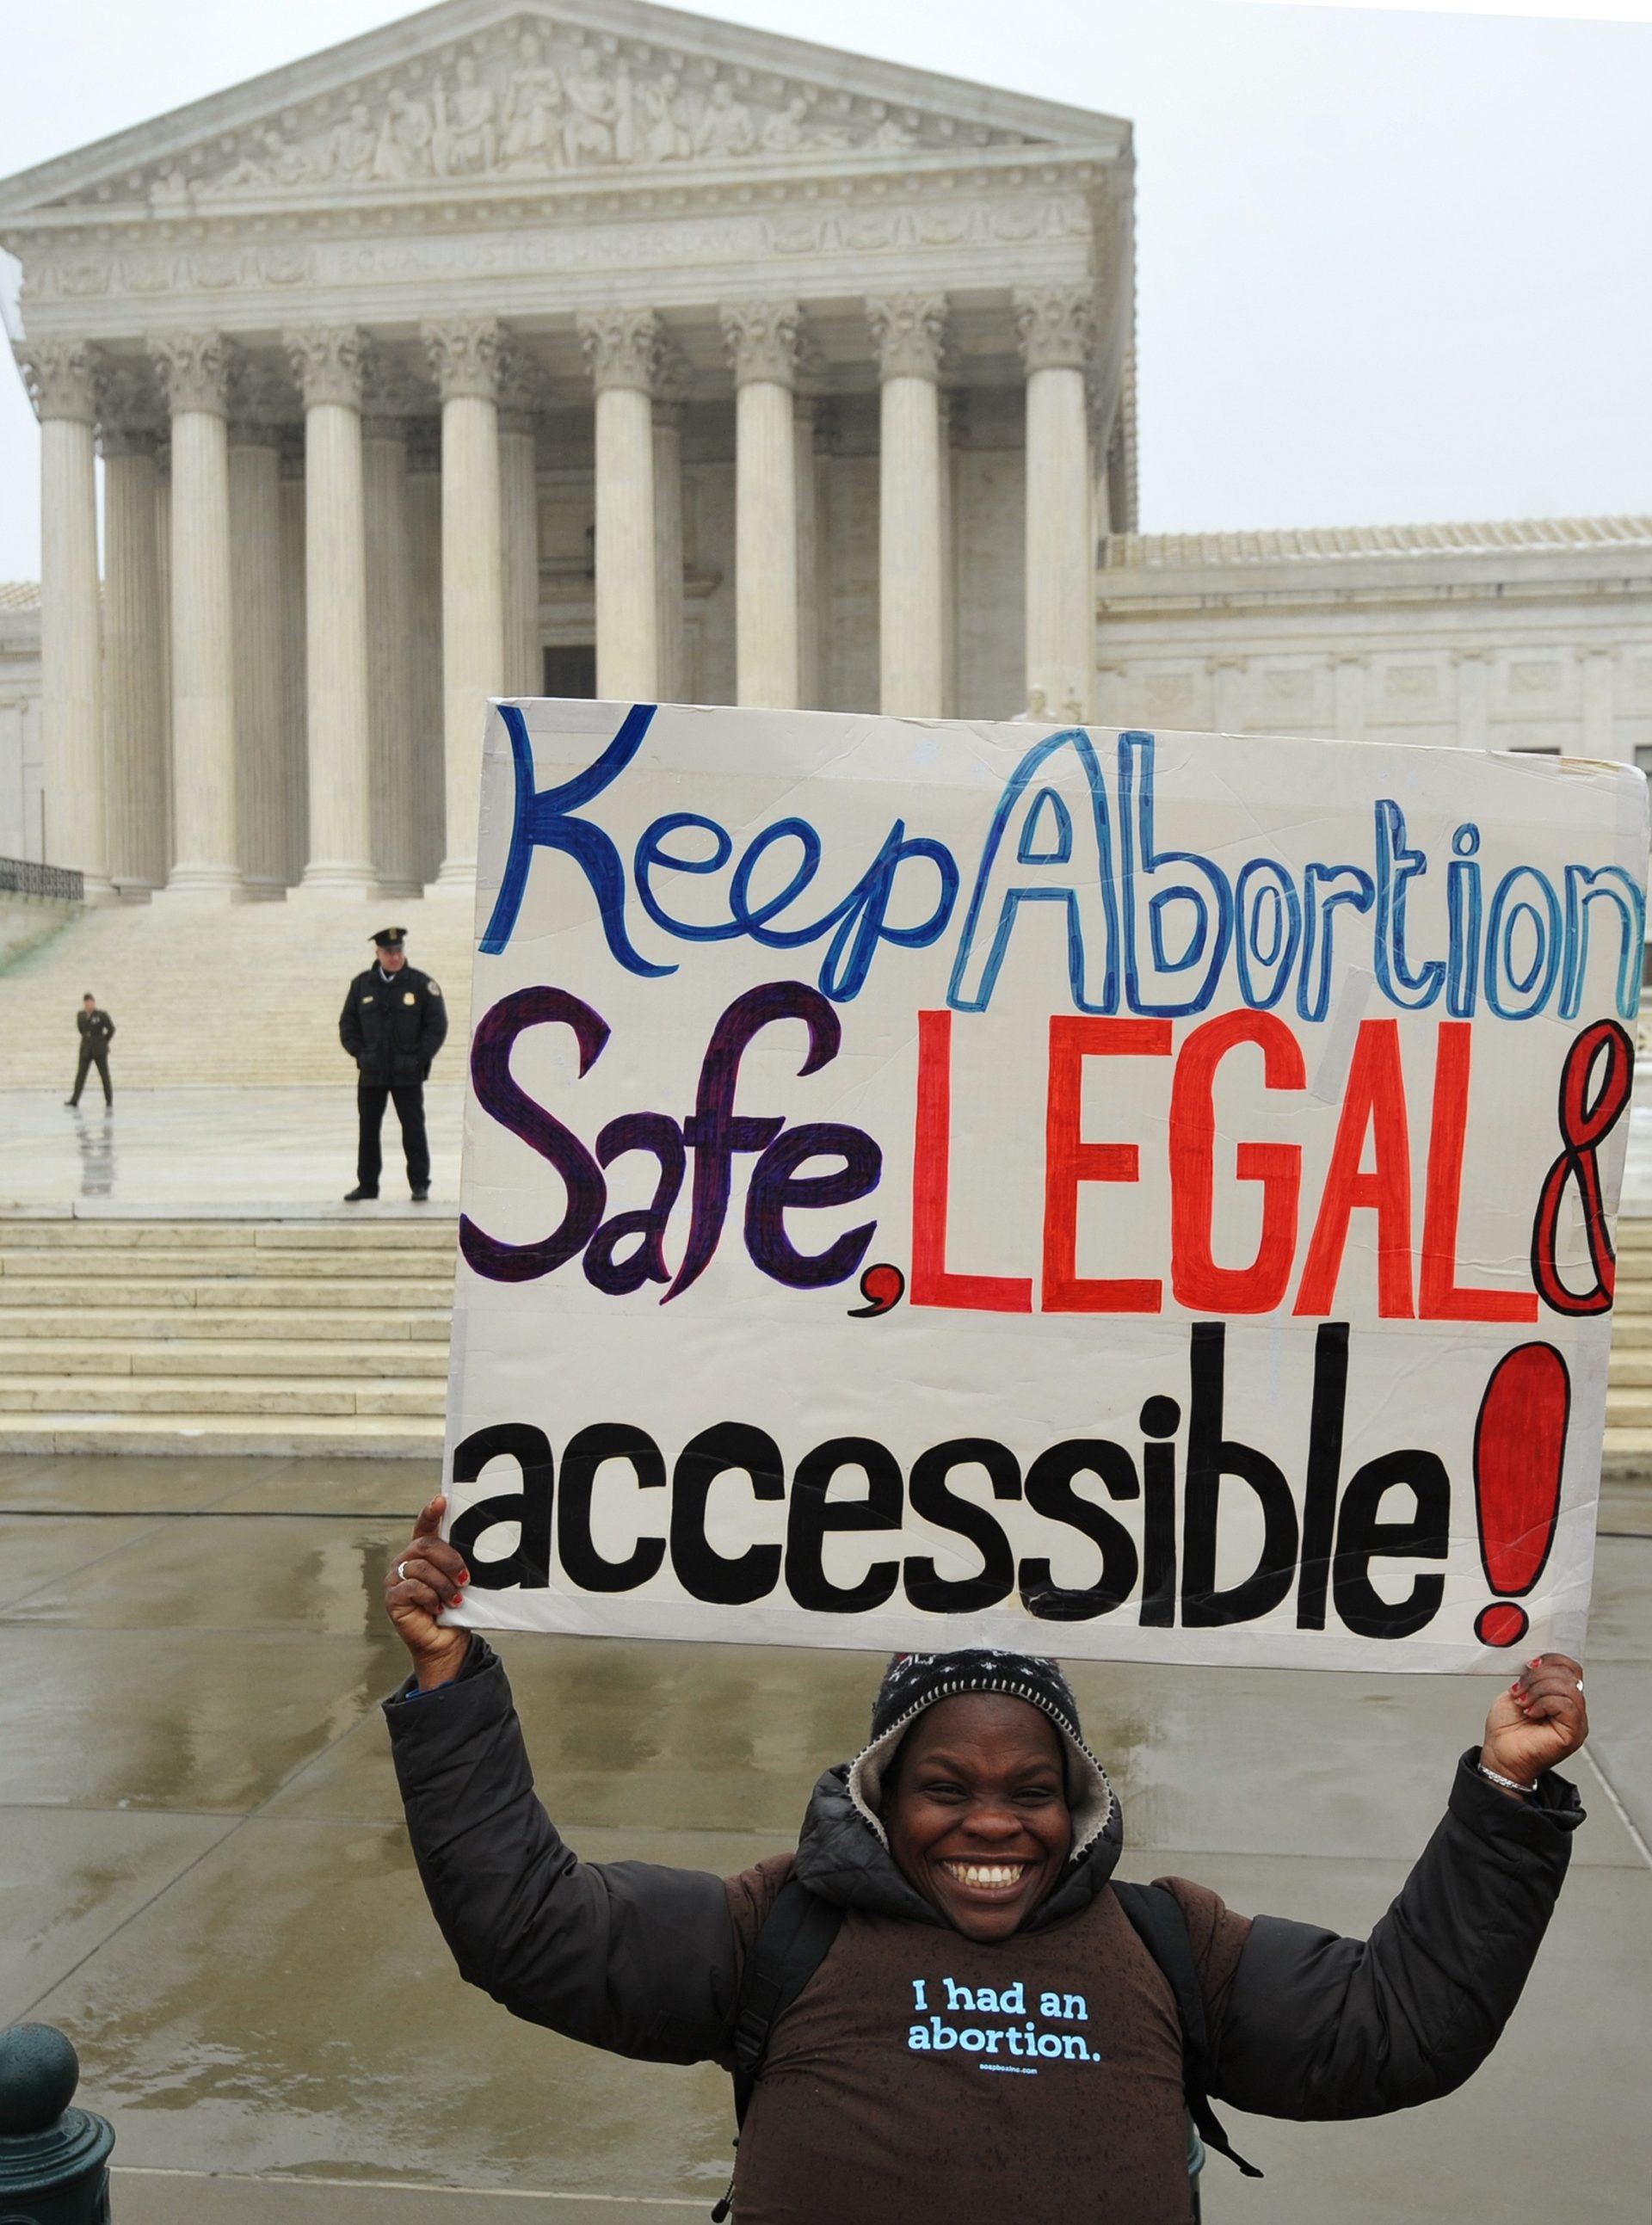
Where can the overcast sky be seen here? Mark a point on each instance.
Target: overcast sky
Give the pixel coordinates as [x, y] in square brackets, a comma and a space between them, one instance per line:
[1392, 266]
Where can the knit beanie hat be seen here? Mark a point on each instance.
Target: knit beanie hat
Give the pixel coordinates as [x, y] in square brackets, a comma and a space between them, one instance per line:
[914, 1682]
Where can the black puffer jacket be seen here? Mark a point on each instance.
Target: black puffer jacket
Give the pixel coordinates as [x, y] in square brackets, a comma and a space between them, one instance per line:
[646, 1961]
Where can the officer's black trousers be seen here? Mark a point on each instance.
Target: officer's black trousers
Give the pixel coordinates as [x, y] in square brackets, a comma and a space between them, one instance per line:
[97, 1056]
[370, 1099]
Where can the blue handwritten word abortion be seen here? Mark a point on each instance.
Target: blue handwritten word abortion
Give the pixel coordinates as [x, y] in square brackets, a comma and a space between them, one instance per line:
[1150, 929]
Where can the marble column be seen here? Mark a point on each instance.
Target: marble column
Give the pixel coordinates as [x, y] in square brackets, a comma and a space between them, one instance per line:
[292, 630]
[196, 368]
[328, 361]
[762, 339]
[805, 410]
[464, 354]
[908, 334]
[672, 381]
[260, 655]
[163, 596]
[394, 775]
[60, 376]
[519, 528]
[135, 765]
[622, 349]
[424, 665]
[955, 431]
[1055, 325]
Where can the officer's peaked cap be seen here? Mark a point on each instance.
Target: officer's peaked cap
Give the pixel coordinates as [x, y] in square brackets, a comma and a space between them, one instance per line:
[389, 938]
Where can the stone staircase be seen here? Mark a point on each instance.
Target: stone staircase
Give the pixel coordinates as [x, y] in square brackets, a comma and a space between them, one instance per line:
[1628, 1398]
[245, 993]
[128, 1336]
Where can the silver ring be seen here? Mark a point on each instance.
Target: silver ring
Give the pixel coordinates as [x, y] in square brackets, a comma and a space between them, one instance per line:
[401, 1577]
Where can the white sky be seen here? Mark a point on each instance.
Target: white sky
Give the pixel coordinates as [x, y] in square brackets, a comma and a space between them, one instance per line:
[1393, 262]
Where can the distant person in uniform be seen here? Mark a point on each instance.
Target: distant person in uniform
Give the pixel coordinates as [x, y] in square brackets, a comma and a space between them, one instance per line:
[96, 1032]
[393, 1024]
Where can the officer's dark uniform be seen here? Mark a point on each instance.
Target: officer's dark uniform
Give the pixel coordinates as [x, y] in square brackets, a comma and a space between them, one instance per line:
[392, 1025]
[96, 1030]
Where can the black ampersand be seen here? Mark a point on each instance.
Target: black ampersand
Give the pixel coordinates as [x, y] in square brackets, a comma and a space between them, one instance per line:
[1583, 1128]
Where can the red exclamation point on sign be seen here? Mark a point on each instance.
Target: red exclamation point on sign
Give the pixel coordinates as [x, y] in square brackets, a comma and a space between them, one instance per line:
[1519, 1447]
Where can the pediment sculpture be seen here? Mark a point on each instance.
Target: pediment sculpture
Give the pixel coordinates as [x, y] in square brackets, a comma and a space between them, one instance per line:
[547, 103]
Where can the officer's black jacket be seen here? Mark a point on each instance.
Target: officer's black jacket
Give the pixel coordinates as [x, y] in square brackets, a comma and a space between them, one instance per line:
[393, 1029]
[96, 1028]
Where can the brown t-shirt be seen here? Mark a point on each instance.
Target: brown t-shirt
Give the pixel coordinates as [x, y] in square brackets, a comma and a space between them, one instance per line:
[920, 2075]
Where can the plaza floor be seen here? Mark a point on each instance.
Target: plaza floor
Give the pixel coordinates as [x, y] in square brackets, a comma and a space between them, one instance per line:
[248, 1151]
[204, 1880]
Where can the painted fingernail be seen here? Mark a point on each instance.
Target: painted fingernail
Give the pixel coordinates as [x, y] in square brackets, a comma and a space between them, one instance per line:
[465, 1576]
[458, 1599]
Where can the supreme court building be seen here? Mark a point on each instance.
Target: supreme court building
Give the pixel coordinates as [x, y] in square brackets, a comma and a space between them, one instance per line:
[605, 349]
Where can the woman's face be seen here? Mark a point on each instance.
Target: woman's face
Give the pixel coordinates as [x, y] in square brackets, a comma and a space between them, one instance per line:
[977, 1816]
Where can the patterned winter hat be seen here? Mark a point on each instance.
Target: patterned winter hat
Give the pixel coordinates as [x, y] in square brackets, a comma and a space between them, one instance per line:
[914, 1682]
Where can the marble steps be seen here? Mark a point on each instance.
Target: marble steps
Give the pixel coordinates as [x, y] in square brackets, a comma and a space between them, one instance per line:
[135, 1266]
[217, 1395]
[209, 996]
[348, 1355]
[282, 1436]
[120, 1335]
[135, 1325]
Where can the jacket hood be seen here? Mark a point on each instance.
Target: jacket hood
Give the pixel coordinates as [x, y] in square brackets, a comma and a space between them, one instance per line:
[842, 1855]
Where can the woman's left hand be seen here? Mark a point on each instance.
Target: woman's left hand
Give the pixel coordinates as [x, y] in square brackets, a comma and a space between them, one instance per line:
[1539, 1720]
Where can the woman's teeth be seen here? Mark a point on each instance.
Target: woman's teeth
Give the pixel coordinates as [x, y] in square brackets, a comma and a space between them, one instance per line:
[986, 1874]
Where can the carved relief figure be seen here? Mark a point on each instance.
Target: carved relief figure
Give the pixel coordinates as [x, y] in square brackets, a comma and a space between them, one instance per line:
[726, 128]
[664, 130]
[533, 107]
[467, 136]
[354, 144]
[404, 140]
[588, 128]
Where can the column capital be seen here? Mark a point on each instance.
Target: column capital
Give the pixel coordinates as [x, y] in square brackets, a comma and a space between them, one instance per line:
[622, 347]
[131, 413]
[464, 354]
[61, 379]
[909, 333]
[523, 383]
[1055, 325]
[195, 370]
[763, 340]
[329, 362]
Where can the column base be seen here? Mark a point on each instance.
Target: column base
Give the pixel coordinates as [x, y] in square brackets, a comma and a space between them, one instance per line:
[337, 880]
[202, 885]
[98, 888]
[456, 878]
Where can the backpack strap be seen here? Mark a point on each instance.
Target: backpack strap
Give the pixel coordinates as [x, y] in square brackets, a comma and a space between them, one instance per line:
[791, 1944]
[1160, 1923]
[793, 1940]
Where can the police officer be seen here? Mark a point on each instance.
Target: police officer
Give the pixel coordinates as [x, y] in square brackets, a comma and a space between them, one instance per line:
[96, 1028]
[393, 1024]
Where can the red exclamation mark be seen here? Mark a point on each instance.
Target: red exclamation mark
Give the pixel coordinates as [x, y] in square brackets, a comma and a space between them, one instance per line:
[1519, 1447]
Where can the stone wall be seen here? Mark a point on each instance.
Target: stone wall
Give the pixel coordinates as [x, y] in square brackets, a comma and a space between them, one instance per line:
[20, 737]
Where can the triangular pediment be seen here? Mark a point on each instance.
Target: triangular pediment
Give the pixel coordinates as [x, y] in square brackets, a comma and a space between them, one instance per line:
[490, 93]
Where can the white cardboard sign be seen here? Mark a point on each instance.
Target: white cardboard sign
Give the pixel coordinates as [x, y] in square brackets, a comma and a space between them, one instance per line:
[1123, 1194]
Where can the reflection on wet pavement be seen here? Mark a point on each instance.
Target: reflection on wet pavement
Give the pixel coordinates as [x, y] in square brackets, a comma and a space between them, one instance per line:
[204, 1878]
[95, 1138]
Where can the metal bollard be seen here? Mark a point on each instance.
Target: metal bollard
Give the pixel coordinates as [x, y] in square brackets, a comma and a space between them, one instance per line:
[54, 2159]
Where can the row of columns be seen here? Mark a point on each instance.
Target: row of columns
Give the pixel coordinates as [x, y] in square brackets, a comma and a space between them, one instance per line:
[209, 670]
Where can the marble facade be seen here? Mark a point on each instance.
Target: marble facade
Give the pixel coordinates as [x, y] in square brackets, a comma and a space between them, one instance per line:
[611, 336]
[605, 348]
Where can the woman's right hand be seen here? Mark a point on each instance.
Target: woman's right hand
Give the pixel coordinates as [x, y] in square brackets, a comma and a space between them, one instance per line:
[426, 1577]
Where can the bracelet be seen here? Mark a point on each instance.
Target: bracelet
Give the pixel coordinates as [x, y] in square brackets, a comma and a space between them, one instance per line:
[1509, 1784]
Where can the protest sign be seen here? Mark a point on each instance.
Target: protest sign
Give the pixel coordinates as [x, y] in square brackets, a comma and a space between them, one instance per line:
[1133, 1195]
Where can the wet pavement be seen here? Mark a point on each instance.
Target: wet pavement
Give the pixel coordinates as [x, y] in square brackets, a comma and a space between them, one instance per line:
[198, 1150]
[204, 1878]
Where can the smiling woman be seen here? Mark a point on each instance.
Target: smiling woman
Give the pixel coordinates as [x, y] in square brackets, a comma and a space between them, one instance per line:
[950, 1911]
